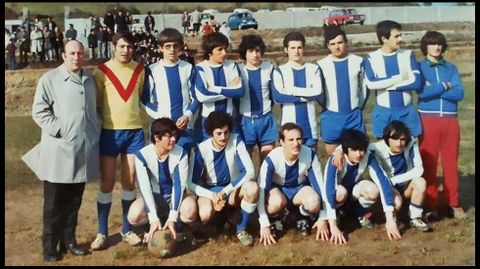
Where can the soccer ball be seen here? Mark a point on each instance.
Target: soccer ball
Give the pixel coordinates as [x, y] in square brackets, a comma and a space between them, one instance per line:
[162, 245]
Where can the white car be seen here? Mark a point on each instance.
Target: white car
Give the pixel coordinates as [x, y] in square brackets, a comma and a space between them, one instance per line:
[242, 10]
[263, 11]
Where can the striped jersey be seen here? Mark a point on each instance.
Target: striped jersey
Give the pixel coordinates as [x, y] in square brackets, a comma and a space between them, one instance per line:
[168, 91]
[382, 74]
[257, 81]
[229, 167]
[401, 167]
[211, 87]
[296, 89]
[348, 177]
[276, 170]
[344, 89]
[161, 177]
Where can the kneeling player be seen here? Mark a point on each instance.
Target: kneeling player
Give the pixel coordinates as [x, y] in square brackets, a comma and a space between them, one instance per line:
[162, 170]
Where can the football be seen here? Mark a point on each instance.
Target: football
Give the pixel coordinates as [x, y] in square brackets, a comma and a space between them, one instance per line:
[161, 245]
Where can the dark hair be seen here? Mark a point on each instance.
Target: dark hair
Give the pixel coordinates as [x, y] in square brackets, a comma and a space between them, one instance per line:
[161, 127]
[433, 38]
[125, 35]
[293, 36]
[212, 41]
[287, 127]
[250, 42]
[170, 35]
[331, 32]
[354, 139]
[217, 119]
[396, 129]
[384, 28]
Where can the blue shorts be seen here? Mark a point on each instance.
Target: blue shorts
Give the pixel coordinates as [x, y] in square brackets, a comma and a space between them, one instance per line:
[333, 124]
[258, 130]
[163, 203]
[310, 141]
[113, 142]
[382, 116]
[290, 192]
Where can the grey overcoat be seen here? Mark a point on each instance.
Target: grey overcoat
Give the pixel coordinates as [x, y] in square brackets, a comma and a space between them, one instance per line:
[66, 110]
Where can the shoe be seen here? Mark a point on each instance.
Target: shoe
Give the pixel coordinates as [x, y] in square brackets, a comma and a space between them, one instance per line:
[50, 257]
[458, 212]
[432, 215]
[366, 221]
[303, 227]
[75, 250]
[420, 225]
[131, 238]
[245, 238]
[99, 243]
[277, 228]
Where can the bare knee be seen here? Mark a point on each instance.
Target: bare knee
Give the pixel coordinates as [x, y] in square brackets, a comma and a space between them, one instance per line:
[420, 184]
[136, 214]
[371, 192]
[205, 213]
[251, 191]
[276, 203]
[397, 202]
[188, 210]
[342, 195]
[312, 204]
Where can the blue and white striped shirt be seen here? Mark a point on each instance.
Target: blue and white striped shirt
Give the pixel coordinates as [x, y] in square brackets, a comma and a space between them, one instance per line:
[296, 89]
[276, 170]
[344, 83]
[229, 167]
[383, 74]
[348, 177]
[400, 167]
[211, 87]
[168, 91]
[257, 100]
[161, 177]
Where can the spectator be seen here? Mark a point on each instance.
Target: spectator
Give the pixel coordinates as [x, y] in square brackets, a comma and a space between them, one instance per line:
[71, 33]
[101, 37]
[121, 23]
[23, 38]
[109, 21]
[7, 37]
[89, 25]
[207, 29]
[213, 23]
[47, 44]
[36, 38]
[57, 37]
[10, 51]
[195, 16]
[186, 56]
[109, 43]
[129, 20]
[185, 22]
[92, 43]
[51, 24]
[38, 23]
[226, 31]
[149, 22]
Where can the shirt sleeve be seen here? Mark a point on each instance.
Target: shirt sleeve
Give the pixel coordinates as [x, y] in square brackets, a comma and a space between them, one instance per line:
[245, 164]
[381, 180]
[179, 183]
[205, 93]
[416, 171]
[279, 93]
[197, 164]
[374, 83]
[456, 92]
[264, 183]
[145, 187]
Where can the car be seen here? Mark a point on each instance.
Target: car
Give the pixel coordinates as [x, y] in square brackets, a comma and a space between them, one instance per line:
[241, 10]
[210, 11]
[342, 16]
[138, 25]
[243, 20]
[263, 11]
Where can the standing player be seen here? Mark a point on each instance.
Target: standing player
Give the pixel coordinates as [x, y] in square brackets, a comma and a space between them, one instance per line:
[162, 171]
[224, 165]
[290, 175]
[345, 95]
[257, 122]
[217, 80]
[393, 73]
[438, 105]
[296, 86]
[120, 84]
[345, 188]
[167, 91]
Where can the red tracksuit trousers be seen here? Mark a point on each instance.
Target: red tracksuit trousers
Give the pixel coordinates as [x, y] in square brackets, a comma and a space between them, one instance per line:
[440, 139]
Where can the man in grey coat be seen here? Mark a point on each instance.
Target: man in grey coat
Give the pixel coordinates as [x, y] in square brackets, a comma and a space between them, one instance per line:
[67, 156]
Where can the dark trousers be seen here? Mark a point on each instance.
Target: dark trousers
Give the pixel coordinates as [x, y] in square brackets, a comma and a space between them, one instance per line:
[60, 212]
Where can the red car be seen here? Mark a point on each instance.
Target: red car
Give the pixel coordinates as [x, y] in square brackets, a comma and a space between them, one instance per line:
[342, 16]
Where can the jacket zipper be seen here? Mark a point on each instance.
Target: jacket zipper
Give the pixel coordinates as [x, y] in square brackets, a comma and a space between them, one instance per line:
[441, 103]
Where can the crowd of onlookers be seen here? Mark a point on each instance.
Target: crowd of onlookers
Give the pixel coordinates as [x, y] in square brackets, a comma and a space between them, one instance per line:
[40, 41]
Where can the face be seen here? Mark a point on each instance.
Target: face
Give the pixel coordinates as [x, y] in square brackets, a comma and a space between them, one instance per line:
[295, 51]
[166, 142]
[397, 145]
[434, 51]
[170, 51]
[220, 137]
[254, 56]
[74, 56]
[355, 156]
[393, 43]
[292, 142]
[218, 55]
[123, 51]
[338, 47]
